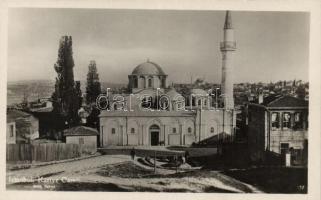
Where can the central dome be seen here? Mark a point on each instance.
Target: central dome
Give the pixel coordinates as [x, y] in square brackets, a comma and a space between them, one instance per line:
[148, 68]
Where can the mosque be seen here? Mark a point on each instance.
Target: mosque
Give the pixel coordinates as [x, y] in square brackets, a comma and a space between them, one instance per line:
[153, 113]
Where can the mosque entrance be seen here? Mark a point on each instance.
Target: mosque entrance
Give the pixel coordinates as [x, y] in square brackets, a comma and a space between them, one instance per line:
[154, 135]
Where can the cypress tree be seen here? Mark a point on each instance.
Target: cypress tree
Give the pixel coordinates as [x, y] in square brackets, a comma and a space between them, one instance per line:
[93, 85]
[66, 96]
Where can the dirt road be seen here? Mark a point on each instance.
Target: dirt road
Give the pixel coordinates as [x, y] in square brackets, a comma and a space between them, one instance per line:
[119, 173]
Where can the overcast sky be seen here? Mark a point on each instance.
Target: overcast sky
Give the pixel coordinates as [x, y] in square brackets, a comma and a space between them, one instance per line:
[271, 46]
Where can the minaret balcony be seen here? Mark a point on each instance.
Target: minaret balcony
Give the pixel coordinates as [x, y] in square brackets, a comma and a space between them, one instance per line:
[228, 46]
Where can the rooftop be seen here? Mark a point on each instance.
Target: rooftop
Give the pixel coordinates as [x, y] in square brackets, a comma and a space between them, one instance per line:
[278, 101]
[13, 114]
[80, 130]
[148, 68]
[147, 113]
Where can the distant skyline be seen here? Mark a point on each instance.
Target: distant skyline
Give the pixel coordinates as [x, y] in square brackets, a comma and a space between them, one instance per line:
[271, 46]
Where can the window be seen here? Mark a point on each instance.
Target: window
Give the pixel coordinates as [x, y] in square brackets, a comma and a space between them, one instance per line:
[149, 82]
[205, 102]
[163, 82]
[132, 130]
[284, 147]
[286, 120]
[174, 130]
[11, 130]
[189, 130]
[113, 131]
[135, 82]
[275, 120]
[81, 141]
[115, 106]
[298, 121]
[212, 129]
[199, 102]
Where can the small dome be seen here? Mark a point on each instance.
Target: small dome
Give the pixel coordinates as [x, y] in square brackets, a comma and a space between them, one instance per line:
[199, 92]
[173, 94]
[148, 68]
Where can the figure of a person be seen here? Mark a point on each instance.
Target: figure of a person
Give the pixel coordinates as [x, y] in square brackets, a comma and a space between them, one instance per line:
[186, 155]
[132, 153]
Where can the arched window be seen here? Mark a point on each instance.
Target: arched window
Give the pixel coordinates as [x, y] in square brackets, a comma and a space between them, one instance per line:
[149, 82]
[135, 82]
[174, 130]
[132, 130]
[189, 130]
[113, 131]
[212, 129]
[163, 81]
[193, 101]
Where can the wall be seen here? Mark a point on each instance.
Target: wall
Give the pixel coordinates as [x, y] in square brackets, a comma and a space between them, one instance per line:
[200, 124]
[123, 126]
[9, 139]
[89, 146]
[34, 129]
[295, 138]
[41, 152]
[29, 131]
[221, 120]
[256, 132]
[262, 137]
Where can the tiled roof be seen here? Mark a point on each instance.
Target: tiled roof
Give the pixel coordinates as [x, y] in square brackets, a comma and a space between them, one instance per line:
[277, 101]
[13, 114]
[80, 130]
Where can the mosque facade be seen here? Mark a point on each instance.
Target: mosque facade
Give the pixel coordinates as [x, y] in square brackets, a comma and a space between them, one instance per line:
[154, 113]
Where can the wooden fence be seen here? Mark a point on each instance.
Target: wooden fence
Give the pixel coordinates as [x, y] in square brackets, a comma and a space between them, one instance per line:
[41, 152]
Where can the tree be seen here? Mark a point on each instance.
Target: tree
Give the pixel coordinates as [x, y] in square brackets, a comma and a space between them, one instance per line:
[66, 97]
[198, 82]
[93, 85]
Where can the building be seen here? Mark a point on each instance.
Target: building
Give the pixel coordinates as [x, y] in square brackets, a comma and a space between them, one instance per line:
[22, 127]
[156, 114]
[278, 125]
[86, 137]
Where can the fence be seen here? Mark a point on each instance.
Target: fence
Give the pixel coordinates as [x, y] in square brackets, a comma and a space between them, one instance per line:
[41, 152]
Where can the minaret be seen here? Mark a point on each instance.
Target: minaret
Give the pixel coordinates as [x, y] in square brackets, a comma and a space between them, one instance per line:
[228, 46]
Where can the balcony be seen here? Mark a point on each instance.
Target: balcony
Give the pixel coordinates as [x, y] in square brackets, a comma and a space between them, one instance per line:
[228, 46]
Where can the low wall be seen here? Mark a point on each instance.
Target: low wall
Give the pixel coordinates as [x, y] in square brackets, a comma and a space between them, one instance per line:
[41, 152]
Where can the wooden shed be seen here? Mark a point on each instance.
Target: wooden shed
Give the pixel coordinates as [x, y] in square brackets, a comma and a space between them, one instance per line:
[86, 137]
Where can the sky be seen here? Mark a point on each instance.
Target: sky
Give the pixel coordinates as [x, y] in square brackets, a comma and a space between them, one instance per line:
[271, 46]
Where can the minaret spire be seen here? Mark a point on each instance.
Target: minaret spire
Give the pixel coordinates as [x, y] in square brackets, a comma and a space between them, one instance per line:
[228, 20]
[228, 46]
